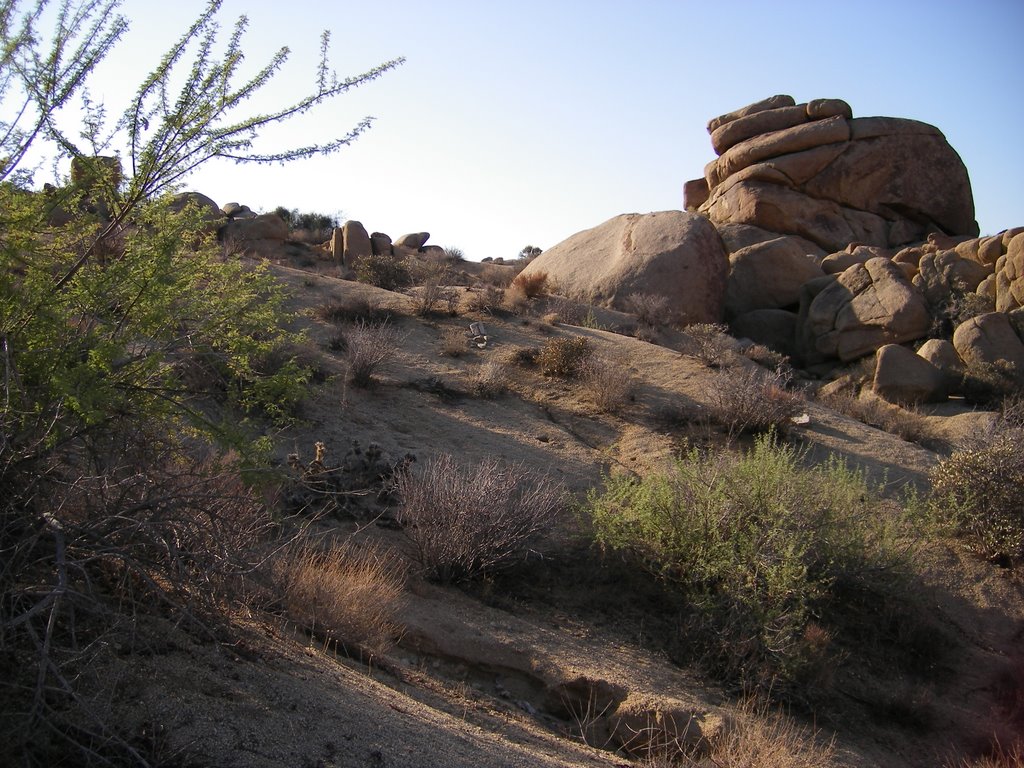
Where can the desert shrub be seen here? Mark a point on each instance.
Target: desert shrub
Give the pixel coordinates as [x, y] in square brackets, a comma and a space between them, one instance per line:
[981, 490]
[959, 306]
[515, 299]
[988, 384]
[767, 357]
[532, 285]
[907, 424]
[454, 342]
[433, 296]
[523, 356]
[454, 254]
[465, 521]
[652, 310]
[367, 347]
[565, 357]
[709, 342]
[568, 311]
[350, 309]
[607, 384]
[342, 594]
[490, 379]
[384, 271]
[758, 545]
[488, 300]
[308, 226]
[497, 275]
[750, 399]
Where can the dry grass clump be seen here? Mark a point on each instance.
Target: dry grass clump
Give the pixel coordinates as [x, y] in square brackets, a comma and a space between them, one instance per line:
[906, 424]
[765, 739]
[343, 594]
[532, 285]
[523, 356]
[367, 347]
[466, 521]
[999, 757]
[490, 379]
[605, 382]
[566, 357]
[709, 342]
[454, 342]
[751, 399]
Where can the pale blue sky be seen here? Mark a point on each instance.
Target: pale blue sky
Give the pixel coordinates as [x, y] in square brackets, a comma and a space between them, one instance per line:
[525, 122]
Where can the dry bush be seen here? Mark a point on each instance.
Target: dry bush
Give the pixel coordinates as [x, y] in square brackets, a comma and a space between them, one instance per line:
[350, 309]
[342, 594]
[516, 299]
[767, 357]
[522, 356]
[988, 384]
[566, 357]
[532, 285]
[709, 342]
[653, 310]
[467, 521]
[488, 300]
[552, 319]
[607, 384]
[750, 399]
[434, 295]
[454, 342]
[497, 276]
[490, 379]
[569, 312]
[367, 347]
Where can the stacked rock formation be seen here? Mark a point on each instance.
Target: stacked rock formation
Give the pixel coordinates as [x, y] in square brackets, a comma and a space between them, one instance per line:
[815, 171]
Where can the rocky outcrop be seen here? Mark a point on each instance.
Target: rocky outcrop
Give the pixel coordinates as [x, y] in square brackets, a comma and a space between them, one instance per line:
[906, 378]
[768, 275]
[256, 234]
[673, 254]
[415, 240]
[991, 340]
[1009, 276]
[815, 171]
[867, 306]
[356, 243]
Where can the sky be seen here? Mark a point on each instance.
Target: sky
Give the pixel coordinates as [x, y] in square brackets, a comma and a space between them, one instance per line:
[522, 123]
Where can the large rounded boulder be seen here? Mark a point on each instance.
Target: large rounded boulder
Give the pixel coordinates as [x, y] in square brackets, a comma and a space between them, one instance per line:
[674, 254]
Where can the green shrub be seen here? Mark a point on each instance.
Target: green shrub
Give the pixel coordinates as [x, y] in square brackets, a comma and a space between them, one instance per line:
[565, 357]
[758, 545]
[384, 271]
[981, 491]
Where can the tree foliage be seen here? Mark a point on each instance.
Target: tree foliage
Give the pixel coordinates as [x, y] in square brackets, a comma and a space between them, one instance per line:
[129, 345]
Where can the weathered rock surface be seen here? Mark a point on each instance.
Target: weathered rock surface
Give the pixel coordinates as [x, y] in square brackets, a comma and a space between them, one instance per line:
[815, 171]
[265, 227]
[768, 275]
[866, 307]
[906, 378]
[381, 244]
[944, 274]
[415, 240]
[990, 339]
[356, 243]
[1009, 283]
[943, 355]
[674, 254]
